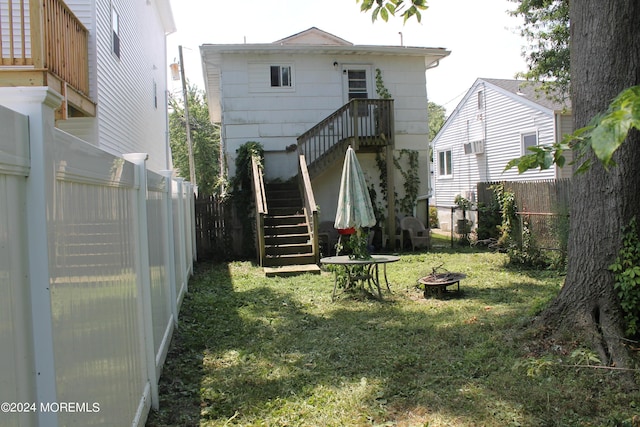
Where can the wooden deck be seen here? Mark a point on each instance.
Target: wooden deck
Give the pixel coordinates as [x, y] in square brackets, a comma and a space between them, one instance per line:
[45, 44]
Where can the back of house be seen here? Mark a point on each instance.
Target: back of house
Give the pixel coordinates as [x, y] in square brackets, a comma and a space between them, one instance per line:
[276, 93]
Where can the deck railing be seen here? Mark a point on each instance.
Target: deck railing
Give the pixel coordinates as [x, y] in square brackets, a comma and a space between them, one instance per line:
[45, 35]
[261, 207]
[310, 207]
[357, 120]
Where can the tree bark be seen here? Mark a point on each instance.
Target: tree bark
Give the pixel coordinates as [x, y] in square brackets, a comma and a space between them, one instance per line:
[605, 59]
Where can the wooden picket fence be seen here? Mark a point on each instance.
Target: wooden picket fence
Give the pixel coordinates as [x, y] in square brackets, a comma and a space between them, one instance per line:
[542, 208]
[215, 227]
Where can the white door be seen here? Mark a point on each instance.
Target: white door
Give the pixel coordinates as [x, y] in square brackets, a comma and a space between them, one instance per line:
[357, 84]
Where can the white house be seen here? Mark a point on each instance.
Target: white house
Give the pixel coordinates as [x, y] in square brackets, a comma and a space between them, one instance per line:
[495, 122]
[109, 65]
[274, 93]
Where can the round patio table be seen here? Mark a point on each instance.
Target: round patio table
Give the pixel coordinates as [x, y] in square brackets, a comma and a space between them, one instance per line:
[371, 271]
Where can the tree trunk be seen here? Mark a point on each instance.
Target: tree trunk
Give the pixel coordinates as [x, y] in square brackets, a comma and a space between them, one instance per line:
[605, 59]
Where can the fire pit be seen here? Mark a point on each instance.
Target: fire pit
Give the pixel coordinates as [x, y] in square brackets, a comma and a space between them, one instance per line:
[437, 283]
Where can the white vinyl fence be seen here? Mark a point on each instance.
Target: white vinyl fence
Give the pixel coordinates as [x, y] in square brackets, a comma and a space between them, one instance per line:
[95, 256]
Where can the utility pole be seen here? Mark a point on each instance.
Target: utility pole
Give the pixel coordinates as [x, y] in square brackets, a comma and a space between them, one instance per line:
[192, 168]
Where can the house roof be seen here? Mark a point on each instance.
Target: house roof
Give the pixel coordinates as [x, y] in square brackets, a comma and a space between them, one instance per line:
[313, 36]
[315, 40]
[526, 92]
[166, 15]
[532, 91]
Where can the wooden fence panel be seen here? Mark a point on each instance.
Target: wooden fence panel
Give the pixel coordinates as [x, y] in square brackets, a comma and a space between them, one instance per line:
[542, 208]
[213, 226]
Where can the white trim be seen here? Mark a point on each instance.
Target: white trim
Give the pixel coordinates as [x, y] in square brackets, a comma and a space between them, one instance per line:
[445, 175]
[525, 133]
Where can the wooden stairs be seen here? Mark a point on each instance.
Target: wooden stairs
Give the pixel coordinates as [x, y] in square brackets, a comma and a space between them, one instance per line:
[288, 240]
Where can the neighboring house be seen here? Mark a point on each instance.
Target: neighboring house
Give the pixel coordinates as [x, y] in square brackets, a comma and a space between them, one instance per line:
[108, 60]
[275, 93]
[495, 122]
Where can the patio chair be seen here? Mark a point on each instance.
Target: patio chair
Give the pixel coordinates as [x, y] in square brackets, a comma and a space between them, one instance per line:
[328, 236]
[418, 234]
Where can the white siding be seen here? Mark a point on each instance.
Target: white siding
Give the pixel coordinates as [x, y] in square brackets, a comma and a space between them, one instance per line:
[275, 117]
[501, 122]
[130, 91]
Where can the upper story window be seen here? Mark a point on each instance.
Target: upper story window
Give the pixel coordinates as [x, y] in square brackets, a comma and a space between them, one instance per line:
[115, 32]
[528, 139]
[445, 166]
[480, 100]
[281, 76]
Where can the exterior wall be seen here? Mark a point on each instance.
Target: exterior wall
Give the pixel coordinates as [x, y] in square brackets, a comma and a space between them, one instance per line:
[130, 91]
[275, 117]
[500, 124]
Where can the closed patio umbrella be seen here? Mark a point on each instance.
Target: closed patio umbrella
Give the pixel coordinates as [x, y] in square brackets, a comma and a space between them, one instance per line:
[354, 204]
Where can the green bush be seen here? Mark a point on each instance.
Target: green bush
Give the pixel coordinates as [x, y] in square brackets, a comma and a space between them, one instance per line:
[626, 270]
[433, 217]
[489, 221]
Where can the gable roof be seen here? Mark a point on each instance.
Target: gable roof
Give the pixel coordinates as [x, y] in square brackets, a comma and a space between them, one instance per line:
[522, 91]
[532, 91]
[313, 36]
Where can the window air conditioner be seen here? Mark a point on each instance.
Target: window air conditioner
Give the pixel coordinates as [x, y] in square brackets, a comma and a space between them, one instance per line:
[474, 147]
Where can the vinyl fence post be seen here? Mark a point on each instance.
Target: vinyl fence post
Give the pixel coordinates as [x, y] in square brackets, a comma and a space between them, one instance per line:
[143, 274]
[184, 278]
[170, 251]
[39, 103]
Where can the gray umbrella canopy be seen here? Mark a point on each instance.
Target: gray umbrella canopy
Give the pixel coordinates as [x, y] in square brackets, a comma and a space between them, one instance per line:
[354, 204]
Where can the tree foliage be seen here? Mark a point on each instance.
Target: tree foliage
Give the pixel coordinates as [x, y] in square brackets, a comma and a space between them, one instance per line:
[437, 115]
[387, 8]
[205, 138]
[546, 29]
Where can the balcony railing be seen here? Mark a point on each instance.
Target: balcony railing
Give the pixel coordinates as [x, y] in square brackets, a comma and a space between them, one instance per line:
[360, 122]
[42, 43]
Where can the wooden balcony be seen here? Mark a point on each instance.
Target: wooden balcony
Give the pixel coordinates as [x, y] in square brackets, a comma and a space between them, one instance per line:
[365, 124]
[42, 43]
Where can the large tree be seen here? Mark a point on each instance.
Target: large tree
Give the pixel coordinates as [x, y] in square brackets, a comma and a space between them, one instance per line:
[205, 138]
[604, 61]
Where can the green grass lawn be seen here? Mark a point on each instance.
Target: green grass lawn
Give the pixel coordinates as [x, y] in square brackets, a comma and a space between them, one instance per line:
[256, 351]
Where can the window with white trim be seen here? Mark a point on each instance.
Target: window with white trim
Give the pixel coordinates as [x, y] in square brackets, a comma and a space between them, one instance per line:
[281, 76]
[528, 139]
[115, 32]
[445, 165]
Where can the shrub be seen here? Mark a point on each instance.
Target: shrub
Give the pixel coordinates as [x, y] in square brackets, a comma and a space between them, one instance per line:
[433, 217]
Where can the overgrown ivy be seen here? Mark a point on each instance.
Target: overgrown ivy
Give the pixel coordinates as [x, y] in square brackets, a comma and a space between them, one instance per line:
[411, 183]
[243, 192]
[381, 89]
[626, 271]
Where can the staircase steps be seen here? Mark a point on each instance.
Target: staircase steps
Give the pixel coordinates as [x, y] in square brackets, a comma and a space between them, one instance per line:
[288, 243]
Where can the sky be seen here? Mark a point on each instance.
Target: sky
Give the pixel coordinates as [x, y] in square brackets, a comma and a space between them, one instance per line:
[483, 39]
